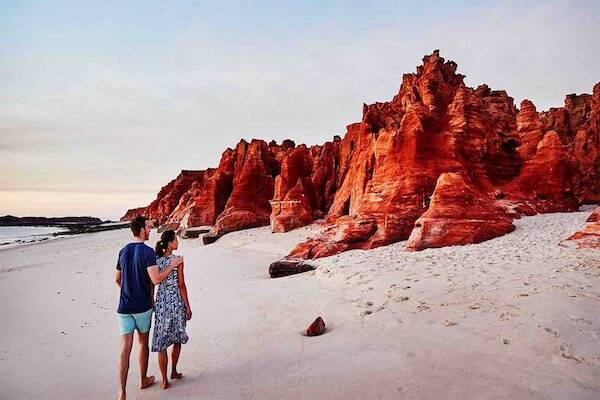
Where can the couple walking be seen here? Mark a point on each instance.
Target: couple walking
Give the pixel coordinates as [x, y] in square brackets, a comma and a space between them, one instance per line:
[138, 271]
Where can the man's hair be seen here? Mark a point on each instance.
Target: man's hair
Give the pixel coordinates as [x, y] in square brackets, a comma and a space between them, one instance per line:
[137, 225]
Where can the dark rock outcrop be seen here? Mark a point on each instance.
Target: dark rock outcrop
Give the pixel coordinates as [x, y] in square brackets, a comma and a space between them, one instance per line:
[288, 267]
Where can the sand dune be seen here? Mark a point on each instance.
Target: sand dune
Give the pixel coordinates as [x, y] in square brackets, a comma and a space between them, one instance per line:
[514, 317]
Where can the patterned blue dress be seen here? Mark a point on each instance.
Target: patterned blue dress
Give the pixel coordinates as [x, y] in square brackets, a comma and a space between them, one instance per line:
[169, 316]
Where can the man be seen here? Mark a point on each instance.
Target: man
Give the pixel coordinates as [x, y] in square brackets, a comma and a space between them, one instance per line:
[136, 276]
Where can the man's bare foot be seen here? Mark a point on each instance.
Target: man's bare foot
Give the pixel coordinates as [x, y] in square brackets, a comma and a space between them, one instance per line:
[164, 384]
[176, 375]
[122, 396]
[147, 381]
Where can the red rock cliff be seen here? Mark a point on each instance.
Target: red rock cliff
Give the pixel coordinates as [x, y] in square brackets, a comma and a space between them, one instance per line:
[167, 199]
[375, 183]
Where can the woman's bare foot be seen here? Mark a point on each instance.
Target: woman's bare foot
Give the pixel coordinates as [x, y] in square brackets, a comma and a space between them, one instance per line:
[176, 375]
[164, 384]
[147, 381]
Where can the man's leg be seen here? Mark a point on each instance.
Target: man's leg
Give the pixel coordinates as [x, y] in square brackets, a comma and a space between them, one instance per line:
[174, 360]
[145, 380]
[126, 343]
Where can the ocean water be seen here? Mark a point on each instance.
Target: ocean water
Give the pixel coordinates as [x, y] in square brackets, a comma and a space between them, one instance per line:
[14, 235]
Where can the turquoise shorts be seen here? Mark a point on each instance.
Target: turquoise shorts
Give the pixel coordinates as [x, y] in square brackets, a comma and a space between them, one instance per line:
[129, 322]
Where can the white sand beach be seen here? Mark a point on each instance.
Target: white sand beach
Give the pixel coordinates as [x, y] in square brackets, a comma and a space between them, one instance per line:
[517, 317]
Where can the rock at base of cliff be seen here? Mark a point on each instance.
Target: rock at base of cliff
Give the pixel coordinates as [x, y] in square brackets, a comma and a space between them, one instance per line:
[458, 214]
[283, 268]
[194, 233]
[170, 226]
[210, 238]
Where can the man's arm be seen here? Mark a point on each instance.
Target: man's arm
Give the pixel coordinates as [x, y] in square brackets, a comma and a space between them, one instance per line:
[118, 278]
[157, 276]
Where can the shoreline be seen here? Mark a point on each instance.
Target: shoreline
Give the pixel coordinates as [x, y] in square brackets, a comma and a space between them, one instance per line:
[72, 230]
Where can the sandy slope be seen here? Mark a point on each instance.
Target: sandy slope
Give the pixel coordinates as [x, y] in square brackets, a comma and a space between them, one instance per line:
[425, 325]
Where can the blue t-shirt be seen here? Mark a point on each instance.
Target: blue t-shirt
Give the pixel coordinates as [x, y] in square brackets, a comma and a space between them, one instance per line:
[136, 286]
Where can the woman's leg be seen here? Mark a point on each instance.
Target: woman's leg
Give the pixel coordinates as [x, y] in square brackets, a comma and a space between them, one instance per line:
[174, 359]
[163, 360]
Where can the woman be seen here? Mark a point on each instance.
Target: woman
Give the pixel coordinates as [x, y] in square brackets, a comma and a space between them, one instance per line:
[172, 309]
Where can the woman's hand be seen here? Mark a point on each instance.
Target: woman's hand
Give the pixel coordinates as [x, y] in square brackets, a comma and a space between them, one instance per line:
[188, 314]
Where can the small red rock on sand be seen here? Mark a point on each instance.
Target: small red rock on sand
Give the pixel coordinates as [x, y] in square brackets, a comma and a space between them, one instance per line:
[316, 328]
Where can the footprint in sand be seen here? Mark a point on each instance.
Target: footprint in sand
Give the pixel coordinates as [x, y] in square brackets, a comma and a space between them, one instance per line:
[507, 316]
[581, 320]
[566, 351]
[551, 331]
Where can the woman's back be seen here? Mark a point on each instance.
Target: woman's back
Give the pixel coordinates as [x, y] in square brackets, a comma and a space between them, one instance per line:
[171, 282]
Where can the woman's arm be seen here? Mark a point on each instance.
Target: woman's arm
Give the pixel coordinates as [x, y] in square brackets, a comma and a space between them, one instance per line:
[183, 291]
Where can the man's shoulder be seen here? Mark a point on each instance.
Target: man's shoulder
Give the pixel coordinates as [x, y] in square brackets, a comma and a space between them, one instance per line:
[128, 247]
[149, 251]
[148, 248]
[124, 249]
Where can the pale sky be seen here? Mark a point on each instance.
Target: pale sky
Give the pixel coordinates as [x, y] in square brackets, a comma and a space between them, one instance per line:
[101, 105]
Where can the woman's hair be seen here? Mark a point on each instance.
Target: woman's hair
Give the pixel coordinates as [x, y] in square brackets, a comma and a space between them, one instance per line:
[161, 246]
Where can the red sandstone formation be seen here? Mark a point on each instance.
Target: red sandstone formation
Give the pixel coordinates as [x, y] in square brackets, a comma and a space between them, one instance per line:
[294, 200]
[206, 198]
[305, 188]
[588, 237]
[133, 213]
[253, 185]
[167, 199]
[375, 183]
[390, 162]
[458, 214]
[545, 182]
[578, 126]
[595, 216]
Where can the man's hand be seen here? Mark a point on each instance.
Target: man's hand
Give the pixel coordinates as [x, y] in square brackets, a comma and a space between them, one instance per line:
[176, 262]
[157, 277]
